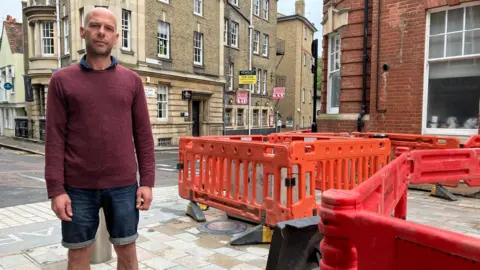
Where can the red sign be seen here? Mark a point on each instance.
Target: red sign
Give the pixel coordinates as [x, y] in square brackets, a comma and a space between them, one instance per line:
[242, 97]
[278, 93]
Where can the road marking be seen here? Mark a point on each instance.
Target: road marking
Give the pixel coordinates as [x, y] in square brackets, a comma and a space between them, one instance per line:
[47, 232]
[167, 169]
[164, 165]
[10, 237]
[32, 177]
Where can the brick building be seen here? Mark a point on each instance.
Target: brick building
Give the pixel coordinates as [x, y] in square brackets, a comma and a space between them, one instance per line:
[294, 70]
[236, 37]
[422, 70]
[173, 45]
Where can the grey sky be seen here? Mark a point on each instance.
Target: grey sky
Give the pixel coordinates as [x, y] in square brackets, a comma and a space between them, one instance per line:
[313, 11]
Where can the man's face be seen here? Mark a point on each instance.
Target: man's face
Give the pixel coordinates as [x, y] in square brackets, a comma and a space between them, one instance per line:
[99, 33]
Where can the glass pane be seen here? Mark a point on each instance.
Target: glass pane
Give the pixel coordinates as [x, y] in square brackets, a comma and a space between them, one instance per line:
[436, 46]
[472, 42]
[454, 44]
[453, 94]
[472, 20]
[335, 96]
[332, 62]
[437, 23]
[455, 20]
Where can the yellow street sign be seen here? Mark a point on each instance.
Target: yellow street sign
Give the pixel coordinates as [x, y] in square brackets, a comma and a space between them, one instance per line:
[247, 77]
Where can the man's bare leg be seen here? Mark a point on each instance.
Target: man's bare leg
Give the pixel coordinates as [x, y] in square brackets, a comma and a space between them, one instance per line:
[79, 259]
[126, 257]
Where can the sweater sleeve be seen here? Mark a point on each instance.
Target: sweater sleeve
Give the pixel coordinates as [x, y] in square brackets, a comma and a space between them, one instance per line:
[143, 137]
[55, 129]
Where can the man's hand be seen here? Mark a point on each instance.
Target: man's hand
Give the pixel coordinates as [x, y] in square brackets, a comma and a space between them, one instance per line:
[62, 206]
[144, 198]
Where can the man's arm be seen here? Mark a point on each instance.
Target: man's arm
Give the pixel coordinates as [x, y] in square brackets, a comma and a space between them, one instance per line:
[55, 127]
[143, 137]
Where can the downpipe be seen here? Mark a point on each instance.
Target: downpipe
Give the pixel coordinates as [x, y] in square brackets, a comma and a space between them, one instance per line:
[360, 122]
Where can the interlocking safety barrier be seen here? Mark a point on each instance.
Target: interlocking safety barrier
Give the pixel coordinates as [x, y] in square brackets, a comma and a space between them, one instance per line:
[359, 231]
[267, 182]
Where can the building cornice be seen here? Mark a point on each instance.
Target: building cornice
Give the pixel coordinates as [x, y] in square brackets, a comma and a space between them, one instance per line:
[297, 17]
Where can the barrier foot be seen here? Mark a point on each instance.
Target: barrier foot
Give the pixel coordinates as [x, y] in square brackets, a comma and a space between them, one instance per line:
[195, 212]
[441, 192]
[257, 235]
[295, 245]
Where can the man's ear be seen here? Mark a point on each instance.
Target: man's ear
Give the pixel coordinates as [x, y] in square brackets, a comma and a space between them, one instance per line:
[116, 39]
[82, 32]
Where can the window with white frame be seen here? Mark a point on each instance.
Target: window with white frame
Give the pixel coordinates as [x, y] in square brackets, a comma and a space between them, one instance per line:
[452, 73]
[230, 76]
[198, 48]
[234, 35]
[126, 29]
[264, 118]
[234, 2]
[82, 23]
[303, 95]
[240, 121]
[265, 9]
[198, 7]
[255, 118]
[225, 32]
[256, 7]
[162, 102]
[265, 45]
[304, 59]
[259, 80]
[46, 36]
[333, 83]
[66, 37]
[228, 117]
[264, 82]
[256, 40]
[163, 34]
[165, 1]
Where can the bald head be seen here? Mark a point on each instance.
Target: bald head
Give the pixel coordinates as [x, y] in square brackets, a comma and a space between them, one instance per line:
[102, 13]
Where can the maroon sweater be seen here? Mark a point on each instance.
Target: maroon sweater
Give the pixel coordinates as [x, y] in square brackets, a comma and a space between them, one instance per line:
[95, 121]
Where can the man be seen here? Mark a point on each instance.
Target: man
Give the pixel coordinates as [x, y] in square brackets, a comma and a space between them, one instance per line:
[94, 109]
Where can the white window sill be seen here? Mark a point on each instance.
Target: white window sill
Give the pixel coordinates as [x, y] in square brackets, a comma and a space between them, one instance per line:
[450, 131]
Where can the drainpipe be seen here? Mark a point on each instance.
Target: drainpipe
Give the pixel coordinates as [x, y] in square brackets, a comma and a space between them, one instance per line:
[360, 122]
[378, 58]
[250, 45]
[57, 10]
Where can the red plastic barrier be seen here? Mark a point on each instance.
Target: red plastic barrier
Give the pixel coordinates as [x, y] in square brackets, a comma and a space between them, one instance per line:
[359, 232]
[446, 166]
[473, 142]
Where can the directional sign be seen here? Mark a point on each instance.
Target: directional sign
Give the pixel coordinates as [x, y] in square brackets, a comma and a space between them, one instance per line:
[248, 77]
[8, 86]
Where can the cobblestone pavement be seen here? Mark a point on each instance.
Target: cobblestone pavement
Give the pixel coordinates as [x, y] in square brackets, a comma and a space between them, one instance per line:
[173, 241]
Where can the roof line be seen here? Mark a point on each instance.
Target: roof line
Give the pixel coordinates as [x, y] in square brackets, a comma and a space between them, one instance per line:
[297, 16]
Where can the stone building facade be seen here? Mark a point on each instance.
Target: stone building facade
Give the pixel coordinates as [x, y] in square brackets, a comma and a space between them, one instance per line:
[166, 42]
[423, 67]
[294, 71]
[236, 37]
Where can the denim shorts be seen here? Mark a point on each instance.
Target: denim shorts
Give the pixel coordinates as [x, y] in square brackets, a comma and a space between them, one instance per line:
[119, 207]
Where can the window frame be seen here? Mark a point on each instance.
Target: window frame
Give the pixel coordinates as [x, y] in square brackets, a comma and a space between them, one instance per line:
[242, 124]
[256, 48]
[43, 38]
[167, 55]
[259, 80]
[265, 45]
[265, 9]
[231, 79]
[127, 28]
[226, 32]
[256, 8]
[234, 2]
[264, 92]
[330, 109]
[234, 34]
[199, 34]
[199, 4]
[427, 61]
[66, 36]
[166, 88]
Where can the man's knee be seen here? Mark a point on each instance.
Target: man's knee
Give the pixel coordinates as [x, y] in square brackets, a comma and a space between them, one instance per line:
[80, 254]
[125, 249]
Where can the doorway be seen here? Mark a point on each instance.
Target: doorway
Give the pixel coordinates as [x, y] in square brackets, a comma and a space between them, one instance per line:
[196, 118]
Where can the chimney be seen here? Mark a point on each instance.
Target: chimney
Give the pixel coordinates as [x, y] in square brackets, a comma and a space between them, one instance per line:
[10, 19]
[300, 7]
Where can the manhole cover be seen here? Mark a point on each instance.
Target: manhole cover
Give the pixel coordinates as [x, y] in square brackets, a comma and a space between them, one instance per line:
[222, 227]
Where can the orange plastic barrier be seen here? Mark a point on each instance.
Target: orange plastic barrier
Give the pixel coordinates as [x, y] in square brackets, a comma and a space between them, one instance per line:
[359, 232]
[473, 142]
[272, 182]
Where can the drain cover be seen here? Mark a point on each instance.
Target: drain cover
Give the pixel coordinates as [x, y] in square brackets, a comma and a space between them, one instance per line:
[222, 227]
